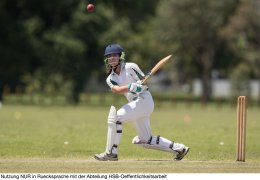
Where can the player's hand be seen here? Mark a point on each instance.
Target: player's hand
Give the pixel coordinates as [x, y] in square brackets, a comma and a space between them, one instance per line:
[136, 88]
[141, 82]
[144, 86]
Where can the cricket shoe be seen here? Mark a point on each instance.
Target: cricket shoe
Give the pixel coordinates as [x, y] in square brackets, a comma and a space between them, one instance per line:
[106, 157]
[181, 154]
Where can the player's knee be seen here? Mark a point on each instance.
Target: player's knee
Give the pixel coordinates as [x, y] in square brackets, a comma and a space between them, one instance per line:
[113, 121]
[137, 141]
[146, 143]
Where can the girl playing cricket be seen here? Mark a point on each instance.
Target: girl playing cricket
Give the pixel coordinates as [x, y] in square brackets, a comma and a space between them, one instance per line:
[125, 78]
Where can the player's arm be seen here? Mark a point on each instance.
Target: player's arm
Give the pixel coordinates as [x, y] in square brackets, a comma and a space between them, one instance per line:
[133, 87]
[119, 89]
[114, 86]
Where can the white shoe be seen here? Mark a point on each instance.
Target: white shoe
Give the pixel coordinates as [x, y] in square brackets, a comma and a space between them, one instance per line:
[106, 157]
[181, 154]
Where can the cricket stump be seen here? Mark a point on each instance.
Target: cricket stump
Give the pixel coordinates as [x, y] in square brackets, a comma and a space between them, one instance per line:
[241, 128]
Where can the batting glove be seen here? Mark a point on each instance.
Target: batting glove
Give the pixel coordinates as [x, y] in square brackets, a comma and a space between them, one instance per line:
[135, 88]
[139, 82]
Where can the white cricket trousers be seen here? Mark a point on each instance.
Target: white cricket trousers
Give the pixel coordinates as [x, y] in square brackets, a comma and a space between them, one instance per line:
[138, 112]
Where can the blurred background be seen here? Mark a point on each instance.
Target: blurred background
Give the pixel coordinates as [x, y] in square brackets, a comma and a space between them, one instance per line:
[51, 52]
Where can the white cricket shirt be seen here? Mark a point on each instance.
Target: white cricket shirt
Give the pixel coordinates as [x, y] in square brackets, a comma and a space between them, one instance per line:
[130, 72]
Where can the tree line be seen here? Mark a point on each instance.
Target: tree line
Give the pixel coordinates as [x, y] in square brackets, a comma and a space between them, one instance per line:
[56, 46]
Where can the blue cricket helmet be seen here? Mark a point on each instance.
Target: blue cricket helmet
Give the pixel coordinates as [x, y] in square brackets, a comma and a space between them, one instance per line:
[113, 49]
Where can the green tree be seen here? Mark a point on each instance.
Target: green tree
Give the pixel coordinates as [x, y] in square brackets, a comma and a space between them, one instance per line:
[242, 35]
[61, 38]
[23, 25]
[190, 28]
[132, 31]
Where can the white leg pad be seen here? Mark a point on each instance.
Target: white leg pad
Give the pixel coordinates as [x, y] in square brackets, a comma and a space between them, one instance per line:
[114, 131]
[159, 143]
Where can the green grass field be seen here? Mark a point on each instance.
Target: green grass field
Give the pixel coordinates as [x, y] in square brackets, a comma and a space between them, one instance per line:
[65, 138]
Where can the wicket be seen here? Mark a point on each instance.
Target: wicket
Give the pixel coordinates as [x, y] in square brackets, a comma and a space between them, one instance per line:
[241, 127]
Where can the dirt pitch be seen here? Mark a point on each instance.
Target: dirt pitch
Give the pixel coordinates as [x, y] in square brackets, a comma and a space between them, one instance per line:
[124, 166]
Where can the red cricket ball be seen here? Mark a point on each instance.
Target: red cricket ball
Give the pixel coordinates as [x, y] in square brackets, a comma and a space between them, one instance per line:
[90, 7]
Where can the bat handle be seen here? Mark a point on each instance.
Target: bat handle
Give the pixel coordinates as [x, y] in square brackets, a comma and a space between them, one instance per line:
[144, 81]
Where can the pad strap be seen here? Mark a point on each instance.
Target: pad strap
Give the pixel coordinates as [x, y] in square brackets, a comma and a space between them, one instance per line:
[158, 139]
[150, 140]
[171, 145]
[118, 123]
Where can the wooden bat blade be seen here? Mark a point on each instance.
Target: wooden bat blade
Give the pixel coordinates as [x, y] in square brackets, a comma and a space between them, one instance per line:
[156, 68]
[159, 64]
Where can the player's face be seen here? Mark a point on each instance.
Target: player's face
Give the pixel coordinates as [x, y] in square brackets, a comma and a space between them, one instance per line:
[113, 59]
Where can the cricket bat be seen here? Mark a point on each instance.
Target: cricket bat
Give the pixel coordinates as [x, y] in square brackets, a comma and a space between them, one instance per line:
[156, 68]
